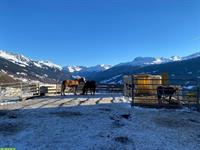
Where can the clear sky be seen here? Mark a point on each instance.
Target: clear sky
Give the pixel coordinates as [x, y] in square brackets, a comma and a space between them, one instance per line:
[89, 32]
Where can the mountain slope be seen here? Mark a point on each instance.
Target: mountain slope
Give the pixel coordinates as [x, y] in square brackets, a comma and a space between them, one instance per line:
[181, 69]
[22, 68]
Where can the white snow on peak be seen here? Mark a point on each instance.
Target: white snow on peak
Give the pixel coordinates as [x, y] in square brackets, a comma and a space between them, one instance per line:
[175, 58]
[105, 66]
[195, 55]
[157, 61]
[96, 68]
[141, 61]
[74, 68]
[50, 64]
[23, 61]
[15, 58]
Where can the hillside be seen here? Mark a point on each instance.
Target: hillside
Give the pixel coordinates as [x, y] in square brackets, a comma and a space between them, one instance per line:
[181, 69]
[22, 68]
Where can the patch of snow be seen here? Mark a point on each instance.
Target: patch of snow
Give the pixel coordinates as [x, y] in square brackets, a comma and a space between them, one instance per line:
[96, 68]
[157, 61]
[195, 55]
[37, 64]
[74, 68]
[21, 79]
[175, 58]
[50, 64]
[3, 71]
[189, 87]
[110, 80]
[21, 73]
[15, 58]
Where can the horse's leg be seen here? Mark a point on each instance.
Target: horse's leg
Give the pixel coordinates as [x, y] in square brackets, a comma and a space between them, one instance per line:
[85, 91]
[63, 92]
[159, 96]
[91, 91]
[94, 90]
[75, 89]
[62, 89]
[170, 98]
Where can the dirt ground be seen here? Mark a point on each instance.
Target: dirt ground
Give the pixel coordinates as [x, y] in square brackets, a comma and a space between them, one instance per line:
[96, 122]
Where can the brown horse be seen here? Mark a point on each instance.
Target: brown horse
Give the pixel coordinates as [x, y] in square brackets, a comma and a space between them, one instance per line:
[72, 84]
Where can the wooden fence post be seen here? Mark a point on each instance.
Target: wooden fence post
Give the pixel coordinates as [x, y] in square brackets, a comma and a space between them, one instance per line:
[38, 88]
[56, 89]
[198, 95]
[21, 90]
[1, 94]
[132, 90]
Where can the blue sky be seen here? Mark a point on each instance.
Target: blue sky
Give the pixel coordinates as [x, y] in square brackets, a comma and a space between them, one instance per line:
[89, 32]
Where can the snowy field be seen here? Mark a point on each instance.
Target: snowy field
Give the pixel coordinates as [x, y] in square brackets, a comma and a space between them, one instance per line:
[101, 122]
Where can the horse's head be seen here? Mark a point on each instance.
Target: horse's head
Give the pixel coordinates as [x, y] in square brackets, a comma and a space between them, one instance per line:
[81, 80]
[176, 89]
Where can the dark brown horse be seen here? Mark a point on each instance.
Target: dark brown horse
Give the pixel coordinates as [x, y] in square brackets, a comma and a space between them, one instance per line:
[165, 91]
[72, 84]
[89, 86]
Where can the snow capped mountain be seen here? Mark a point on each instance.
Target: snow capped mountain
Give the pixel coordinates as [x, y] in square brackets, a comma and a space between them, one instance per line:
[15, 58]
[22, 68]
[144, 61]
[24, 61]
[97, 68]
[73, 68]
[50, 64]
[195, 55]
[175, 58]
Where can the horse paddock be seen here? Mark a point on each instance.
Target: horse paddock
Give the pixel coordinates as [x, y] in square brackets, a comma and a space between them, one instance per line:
[103, 121]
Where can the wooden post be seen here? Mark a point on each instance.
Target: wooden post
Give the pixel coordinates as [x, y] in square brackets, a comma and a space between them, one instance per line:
[1, 94]
[198, 95]
[165, 79]
[56, 89]
[21, 90]
[132, 90]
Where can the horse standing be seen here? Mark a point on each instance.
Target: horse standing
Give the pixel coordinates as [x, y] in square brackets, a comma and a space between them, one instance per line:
[89, 86]
[72, 84]
[164, 91]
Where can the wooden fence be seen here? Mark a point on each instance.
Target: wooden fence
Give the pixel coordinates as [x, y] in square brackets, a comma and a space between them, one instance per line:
[22, 91]
[145, 93]
[101, 88]
[19, 90]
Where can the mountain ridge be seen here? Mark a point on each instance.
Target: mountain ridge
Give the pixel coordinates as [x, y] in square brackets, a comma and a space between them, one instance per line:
[19, 66]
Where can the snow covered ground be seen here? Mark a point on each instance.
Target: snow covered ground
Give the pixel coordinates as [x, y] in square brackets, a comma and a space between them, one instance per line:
[96, 122]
